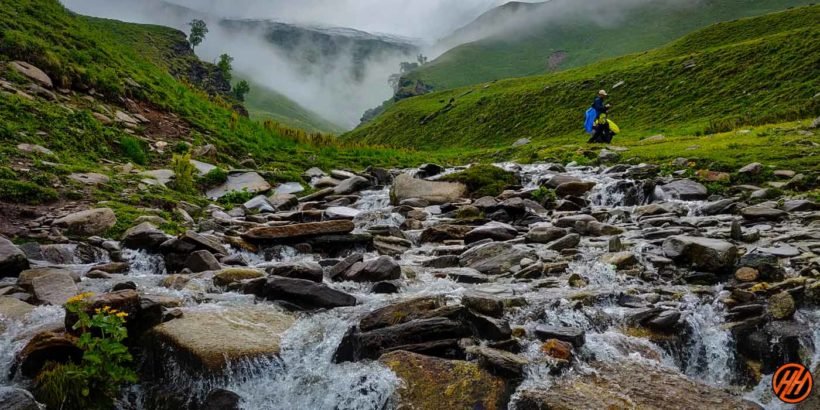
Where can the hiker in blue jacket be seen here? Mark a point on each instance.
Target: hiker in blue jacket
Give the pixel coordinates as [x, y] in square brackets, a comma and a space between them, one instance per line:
[597, 124]
[599, 106]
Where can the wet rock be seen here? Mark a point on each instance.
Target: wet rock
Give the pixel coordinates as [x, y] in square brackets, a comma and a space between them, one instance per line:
[446, 261]
[626, 385]
[285, 232]
[201, 261]
[601, 229]
[711, 255]
[250, 181]
[755, 213]
[206, 340]
[406, 187]
[391, 245]
[90, 222]
[496, 257]
[486, 327]
[800, 205]
[341, 212]
[12, 398]
[385, 288]
[351, 185]
[221, 399]
[228, 276]
[571, 221]
[573, 188]
[567, 242]
[401, 312]
[46, 347]
[494, 230]
[307, 270]
[444, 232]
[485, 304]
[144, 236]
[557, 349]
[26, 277]
[665, 320]
[555, 181]
[608, 156]
[499, 362]
[413, 335]
[434, 383]
[54, 288]
[621, 260]
[781, 306]
[374, 270]
[747, 274]
[305, 294]
[545, 234]
[572, 335]
[343, 265]
[723, 206]
[686, 190]
[12, 259]
[13, 309]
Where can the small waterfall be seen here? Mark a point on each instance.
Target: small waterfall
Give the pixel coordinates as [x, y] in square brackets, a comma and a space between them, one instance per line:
[710, 351]
[18, 332]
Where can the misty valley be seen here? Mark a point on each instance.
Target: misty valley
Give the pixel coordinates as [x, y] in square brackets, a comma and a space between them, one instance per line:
[382, 204]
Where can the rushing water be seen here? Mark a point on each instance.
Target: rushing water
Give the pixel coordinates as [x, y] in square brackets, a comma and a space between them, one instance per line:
[304, 376]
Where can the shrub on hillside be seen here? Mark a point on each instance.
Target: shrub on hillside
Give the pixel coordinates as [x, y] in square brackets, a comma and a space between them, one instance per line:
[184, 173]
[214, 177]
[484, 180]
[134, 150]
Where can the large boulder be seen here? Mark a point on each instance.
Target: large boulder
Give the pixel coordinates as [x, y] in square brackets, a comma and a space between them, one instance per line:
[228, 276]
[201, 261]
[248, 181]
[407, 187]
[710, 255]
[47, 347]
[763, 213]
[12, 259]
[32, 72]
[400, 313]
[629, 385]
[90, 222]
[295, 231]
[686, 190]
[297, 270]
[374, 270]
[432, 383]
[305, 294]
[54, 288]
[421, 335]
[144, 236]
[496, 258]
[207, 340]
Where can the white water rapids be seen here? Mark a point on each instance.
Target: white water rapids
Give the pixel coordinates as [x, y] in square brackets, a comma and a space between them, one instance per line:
[304, 376]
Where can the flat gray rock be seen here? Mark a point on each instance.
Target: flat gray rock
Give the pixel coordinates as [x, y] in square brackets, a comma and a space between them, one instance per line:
[250, 181]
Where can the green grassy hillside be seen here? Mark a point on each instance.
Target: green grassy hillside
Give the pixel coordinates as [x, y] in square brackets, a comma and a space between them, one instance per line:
[752, 71]
[101, 67]
[266, 104]
[625, 31]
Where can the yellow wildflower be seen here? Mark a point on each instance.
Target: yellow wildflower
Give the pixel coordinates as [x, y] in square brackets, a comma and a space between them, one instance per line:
[106, 309]
[122, 315]
[97, 310]
[80, 297]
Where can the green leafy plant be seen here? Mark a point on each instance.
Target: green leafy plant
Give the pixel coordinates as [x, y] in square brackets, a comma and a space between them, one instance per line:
[182, 147]
[184, 173]
[105, 367]
[241, 89]
[198, 31]
[214, 177]
[237, 197]
[544, 196]
[134, 150]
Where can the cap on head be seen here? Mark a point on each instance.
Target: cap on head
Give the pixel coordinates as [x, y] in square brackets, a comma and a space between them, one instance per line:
[602, 93]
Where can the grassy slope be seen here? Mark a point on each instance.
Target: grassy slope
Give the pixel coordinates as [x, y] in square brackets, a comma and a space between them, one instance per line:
[752, 71]
[266, 104]
[646, 27]
[81, 53]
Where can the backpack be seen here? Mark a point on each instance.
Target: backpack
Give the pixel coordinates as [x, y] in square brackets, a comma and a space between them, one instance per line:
[589, 122]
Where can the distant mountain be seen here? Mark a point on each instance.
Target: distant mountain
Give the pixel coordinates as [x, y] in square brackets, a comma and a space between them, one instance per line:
[520, 39]
[334, 73]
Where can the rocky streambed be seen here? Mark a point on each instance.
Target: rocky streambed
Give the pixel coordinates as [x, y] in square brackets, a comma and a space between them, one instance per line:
[389, 289]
